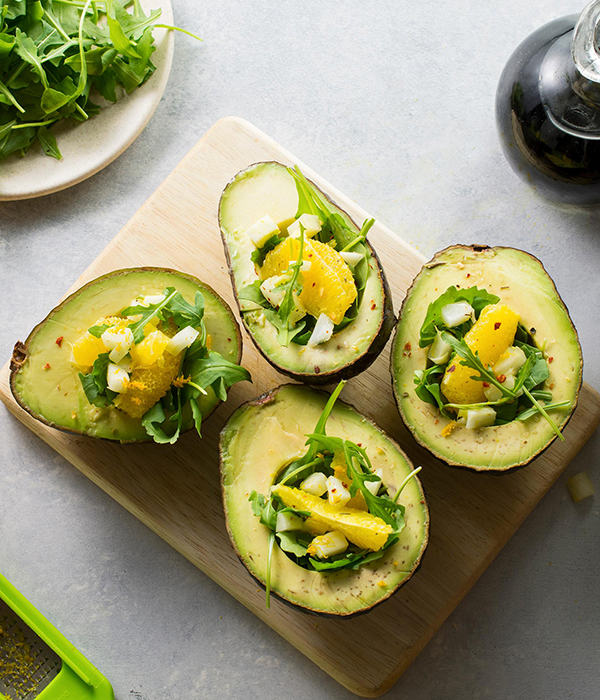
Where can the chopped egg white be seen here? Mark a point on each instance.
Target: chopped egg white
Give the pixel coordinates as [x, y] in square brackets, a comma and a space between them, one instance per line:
[118, 341]
[182, 340]
[337, 493]
[288, 521]
[478, 417]
[373, 486]
[455, 314]
[117, 379]
[492, 393]
[315, 484]
[262, 230]
[350, 258]
[328, 545]
[439, 351]
[311, 224]
[510, 362]
[322, 331]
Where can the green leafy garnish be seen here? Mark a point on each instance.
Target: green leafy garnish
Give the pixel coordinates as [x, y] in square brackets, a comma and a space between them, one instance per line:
[94, 383]
[54, 54]
[258, 255]
[202, 370]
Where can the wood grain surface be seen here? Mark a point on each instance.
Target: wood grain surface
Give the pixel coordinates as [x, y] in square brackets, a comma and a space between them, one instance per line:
[175, 490]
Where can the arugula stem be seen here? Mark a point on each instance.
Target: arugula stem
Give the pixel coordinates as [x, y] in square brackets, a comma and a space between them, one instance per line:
[25, 125]
[269, 558]
[200, 389]
[365, 228]
[7, 93]
[541, 409]
[403, 484]
[301, 469]
[178, 29]
[528, 413]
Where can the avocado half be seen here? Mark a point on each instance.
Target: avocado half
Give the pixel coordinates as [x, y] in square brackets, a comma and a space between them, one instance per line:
[521, 282]
[268, 188]
[264, 435]
[46, 384]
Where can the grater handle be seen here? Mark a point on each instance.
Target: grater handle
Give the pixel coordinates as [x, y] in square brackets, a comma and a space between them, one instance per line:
[69, 686]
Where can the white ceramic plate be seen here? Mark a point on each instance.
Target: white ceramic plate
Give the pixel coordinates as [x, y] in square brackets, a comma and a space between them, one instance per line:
[88, 147]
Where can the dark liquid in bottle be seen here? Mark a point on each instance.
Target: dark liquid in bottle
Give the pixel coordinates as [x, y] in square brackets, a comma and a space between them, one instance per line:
[560, 165]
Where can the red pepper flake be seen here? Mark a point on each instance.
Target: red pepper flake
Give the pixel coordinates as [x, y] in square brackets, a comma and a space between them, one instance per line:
[317, 369]
[497, 325]
[333, 490]
[468, 274]
[58, 341]
[344, 485]
[46, 366]
[436, 421]
[486, 385]
[501, 378]
[551, 386]
[451, 369]
[373, 306]
[550, 359]
[229, 340]
[359, 444]
[408, 347]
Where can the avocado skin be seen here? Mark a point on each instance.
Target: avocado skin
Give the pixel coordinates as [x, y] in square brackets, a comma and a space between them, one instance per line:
[380, 339]
[267, 398]
[435, 261]
[20, 350]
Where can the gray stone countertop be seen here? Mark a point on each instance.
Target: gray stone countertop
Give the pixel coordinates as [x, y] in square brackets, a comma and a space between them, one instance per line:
[392, 102]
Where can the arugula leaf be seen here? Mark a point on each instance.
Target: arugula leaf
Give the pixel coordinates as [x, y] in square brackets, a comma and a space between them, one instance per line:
[477, 298]
[212, 370]
[52, 52]
[539, 370]
[289, 542]
[258, 255]
[252, 292]
[152, 421]
[427, 388]
[94, 383]
[97, 331]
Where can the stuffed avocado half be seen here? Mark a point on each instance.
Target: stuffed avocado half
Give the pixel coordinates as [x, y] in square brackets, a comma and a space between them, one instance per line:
[309, 286]
[486, 363]
[136, 354]
[322, 507]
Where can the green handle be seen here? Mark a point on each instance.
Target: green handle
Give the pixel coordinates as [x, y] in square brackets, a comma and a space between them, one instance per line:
[78, 679]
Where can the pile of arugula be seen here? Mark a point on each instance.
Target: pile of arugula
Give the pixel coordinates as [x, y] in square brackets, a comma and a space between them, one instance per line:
[519, 403]
[55, 53]
[201, 368]
[318, 457]
[335, 231]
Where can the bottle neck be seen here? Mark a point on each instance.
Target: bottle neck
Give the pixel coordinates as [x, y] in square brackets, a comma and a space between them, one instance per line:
[570, 77]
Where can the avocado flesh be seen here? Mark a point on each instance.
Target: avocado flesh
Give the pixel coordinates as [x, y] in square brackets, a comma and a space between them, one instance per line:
[258, 441]
[267, 188]
[521, 282]
[55, 395]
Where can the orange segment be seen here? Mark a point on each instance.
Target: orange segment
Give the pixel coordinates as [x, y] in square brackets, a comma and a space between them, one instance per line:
[360, 527]
[88, 347]
[490, 336]
[149, 350]
[147, 385]
[328, 287]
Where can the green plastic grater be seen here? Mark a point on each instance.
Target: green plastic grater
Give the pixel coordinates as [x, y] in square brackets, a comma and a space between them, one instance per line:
[36, 661]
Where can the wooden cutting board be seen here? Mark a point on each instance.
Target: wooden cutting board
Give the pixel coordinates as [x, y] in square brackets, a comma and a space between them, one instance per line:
[175, 490]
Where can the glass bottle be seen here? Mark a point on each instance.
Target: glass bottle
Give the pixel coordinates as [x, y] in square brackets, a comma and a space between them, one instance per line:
[548, 108]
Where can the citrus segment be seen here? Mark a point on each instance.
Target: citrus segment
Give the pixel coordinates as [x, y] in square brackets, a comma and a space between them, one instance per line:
[490, 336]
[360, 527]
[328, 286]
